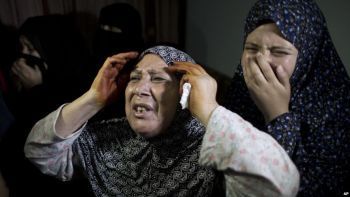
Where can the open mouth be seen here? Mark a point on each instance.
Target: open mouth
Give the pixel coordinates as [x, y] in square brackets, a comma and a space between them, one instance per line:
[141, 108]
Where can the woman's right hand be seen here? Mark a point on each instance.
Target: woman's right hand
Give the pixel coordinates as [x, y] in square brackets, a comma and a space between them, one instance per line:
[104, 87]
[269, 90]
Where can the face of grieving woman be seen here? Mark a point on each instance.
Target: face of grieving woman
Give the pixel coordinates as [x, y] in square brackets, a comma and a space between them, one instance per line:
[267, 40]
[151, 96]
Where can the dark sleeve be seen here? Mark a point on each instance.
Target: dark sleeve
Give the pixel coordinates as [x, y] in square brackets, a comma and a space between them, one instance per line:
[315, 150]
[6, 118]
[286, 130]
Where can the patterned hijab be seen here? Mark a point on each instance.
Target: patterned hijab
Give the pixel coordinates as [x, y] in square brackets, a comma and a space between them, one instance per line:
[320, 84]
[119, 162]
[320, 100]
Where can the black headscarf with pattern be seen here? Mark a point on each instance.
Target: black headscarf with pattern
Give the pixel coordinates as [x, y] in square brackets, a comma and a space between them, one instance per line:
[120, 162]
[315, 132]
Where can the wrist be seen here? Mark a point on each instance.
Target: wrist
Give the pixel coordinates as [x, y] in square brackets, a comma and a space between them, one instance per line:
[89, 99]
[269, 117]
[206, 113]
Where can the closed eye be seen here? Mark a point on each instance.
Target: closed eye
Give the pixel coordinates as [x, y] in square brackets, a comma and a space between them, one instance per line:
[135, 77]
[158, 79]
[250, 49]
[280, 52]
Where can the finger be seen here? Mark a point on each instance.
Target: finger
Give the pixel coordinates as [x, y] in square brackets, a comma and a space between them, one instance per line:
[113, 62]
[25, 68]
[244, 65]
[247, 70]
[36, 68]
[15, 69]
[282, 76]
[254, 73]
[265, 68]
[126, 56]
[121, 59]
[183, 80]
[187, 67]
[199, 67]
[117, 61]
[192, 65]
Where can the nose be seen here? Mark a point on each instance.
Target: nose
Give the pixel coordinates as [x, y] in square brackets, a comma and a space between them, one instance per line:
[265, 53]
[142, 88]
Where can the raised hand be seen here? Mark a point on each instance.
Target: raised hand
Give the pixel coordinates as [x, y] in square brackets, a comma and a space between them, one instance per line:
[26, 77]
[104, 86]
[103, 89]
[202, 100]
[270, 90]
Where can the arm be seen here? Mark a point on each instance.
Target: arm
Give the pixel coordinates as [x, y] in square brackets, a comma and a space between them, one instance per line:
[103, 90]
[49, 144]
[51, 153]
[252, 161]
[247, 156]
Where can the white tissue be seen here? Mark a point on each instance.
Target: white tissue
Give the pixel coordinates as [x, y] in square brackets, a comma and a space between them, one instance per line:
[186, 88]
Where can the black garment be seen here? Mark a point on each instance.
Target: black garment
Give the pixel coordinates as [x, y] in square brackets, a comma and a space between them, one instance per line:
[119, 29]
[57, 42]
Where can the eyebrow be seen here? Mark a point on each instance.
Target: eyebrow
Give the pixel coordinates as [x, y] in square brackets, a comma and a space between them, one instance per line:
[273, 47]
[250, 43]
[151, 71]
[136, 72]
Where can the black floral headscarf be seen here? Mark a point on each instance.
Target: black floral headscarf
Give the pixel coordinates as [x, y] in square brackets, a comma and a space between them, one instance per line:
[315, 132]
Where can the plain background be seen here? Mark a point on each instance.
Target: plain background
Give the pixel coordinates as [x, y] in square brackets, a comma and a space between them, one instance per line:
[214, 31]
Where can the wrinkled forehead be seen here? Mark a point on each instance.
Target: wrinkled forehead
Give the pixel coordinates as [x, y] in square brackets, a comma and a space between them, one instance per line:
[168, 54]
[152, 65]
[151, 62]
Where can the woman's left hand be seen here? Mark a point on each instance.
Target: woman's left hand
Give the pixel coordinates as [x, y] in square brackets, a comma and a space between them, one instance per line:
[202, 99]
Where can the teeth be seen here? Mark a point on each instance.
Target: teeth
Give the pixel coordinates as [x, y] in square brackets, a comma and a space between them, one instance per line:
[140, 109]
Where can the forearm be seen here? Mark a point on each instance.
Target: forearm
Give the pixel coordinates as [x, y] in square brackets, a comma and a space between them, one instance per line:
[49, 152]
[252, 161]
[75, 114]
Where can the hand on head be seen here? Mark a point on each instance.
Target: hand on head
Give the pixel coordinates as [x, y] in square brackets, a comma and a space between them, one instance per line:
[202, 100]
[104, 86]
